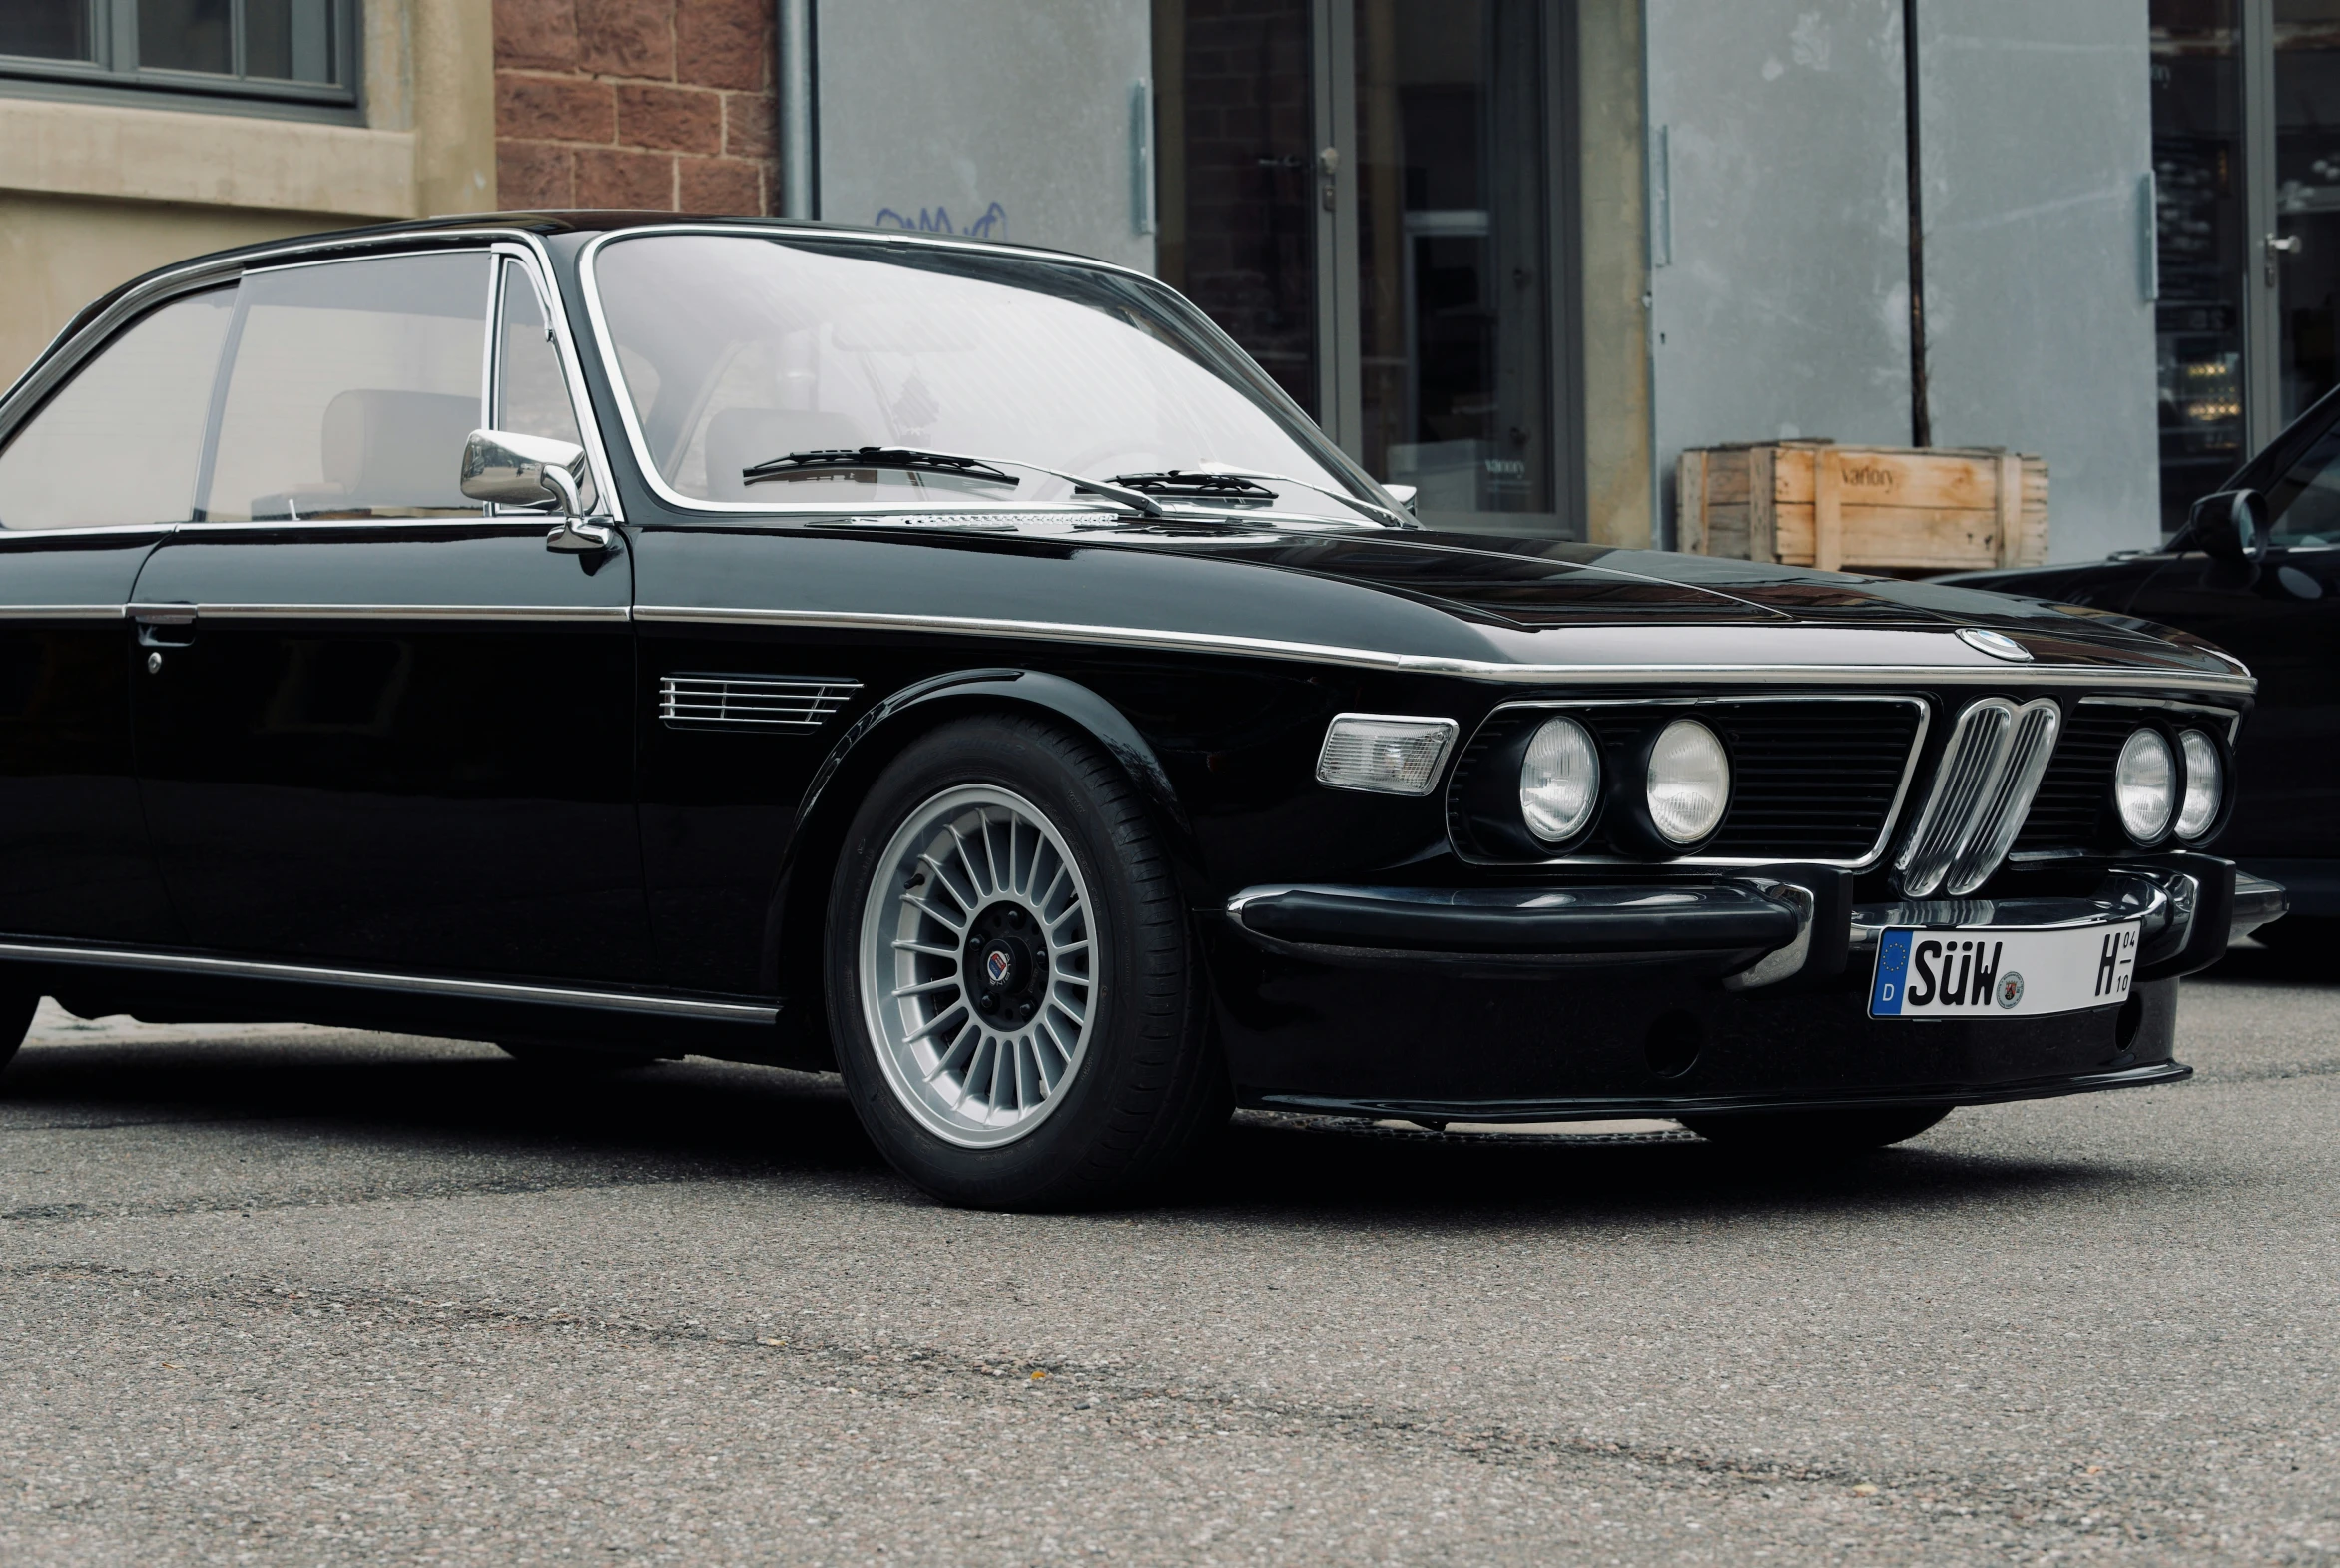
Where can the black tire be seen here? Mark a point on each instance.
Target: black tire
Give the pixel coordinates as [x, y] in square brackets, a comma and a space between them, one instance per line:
[1815, 1135]
[16, 1021]
[1149, 1088]
[579, 1059]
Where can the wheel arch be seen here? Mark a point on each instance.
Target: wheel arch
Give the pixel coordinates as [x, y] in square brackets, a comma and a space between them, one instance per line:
[800, 897]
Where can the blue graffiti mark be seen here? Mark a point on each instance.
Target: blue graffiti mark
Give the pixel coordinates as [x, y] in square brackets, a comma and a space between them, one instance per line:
[936, 221]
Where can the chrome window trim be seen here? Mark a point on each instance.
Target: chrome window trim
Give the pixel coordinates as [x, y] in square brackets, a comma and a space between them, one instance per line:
[156, 529]
[385, 612]
[73, 345]
[1900, 790]
[1996, 674]
[589, 285]
[63, 612]
[384, 980]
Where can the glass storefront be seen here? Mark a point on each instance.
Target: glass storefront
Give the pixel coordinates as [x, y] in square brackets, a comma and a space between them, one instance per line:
[2246, 168]
[1361, 192]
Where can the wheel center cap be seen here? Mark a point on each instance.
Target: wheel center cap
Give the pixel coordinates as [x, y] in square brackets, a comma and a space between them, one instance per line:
[1005, 964]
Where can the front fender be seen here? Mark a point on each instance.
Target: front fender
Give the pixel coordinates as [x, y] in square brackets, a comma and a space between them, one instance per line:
[826, 813]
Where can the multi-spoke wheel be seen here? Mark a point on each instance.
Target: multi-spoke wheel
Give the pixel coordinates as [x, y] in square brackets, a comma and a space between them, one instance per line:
[978, 971]
[1011, 990]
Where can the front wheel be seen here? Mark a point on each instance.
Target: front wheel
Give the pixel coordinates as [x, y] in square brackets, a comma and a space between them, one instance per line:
[1815, 1135]
[1012, 982]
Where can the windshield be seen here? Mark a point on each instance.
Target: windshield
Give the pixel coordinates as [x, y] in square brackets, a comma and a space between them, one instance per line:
[738, 349]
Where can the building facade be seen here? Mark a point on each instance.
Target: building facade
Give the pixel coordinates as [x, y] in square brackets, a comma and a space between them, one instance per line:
[1517, 253]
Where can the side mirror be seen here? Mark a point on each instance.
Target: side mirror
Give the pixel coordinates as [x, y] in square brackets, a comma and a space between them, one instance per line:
[1403, 494]
[2231, 525]
[529, 470]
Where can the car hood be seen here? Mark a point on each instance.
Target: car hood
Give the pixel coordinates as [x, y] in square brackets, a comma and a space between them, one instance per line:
[1535, 584]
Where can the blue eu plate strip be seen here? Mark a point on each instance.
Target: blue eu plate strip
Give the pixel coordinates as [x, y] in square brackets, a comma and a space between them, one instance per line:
[1893, 962]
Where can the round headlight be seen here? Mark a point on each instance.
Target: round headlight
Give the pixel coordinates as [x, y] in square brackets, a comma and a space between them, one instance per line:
[2204, 785]
[2145, 786]
[1560, 780]
[1689, 781]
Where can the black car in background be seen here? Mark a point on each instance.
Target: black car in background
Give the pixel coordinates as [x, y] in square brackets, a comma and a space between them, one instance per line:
[2256, 571]
[959, 667]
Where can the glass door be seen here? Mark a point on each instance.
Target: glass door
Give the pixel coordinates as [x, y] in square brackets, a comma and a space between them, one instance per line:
[1454, 290]
[1361, 192]
[2201, 240]
[2306, 247]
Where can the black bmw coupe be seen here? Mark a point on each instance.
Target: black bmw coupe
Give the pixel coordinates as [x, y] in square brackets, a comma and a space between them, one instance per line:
[959, 668]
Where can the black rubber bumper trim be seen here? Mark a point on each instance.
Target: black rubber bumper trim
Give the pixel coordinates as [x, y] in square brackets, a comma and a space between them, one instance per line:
[1594, 1110]
[1666, 918]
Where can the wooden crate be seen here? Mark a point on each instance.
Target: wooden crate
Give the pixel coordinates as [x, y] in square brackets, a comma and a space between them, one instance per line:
[1814, 503]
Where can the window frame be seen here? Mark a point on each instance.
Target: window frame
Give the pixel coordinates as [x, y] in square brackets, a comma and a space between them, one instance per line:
[97, 324]
[112, 73]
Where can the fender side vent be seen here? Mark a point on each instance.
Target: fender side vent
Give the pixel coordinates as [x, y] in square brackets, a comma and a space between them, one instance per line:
[752, 701]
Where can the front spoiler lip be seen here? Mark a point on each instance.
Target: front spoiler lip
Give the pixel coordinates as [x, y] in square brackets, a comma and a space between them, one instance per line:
[1606, 1109]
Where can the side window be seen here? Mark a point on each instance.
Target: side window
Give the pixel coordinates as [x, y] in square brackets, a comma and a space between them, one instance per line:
[119, 442]
[531, 394]
[2305, 502]
[354, 388]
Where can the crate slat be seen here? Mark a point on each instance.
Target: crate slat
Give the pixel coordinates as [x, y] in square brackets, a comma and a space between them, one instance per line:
[1811, 503]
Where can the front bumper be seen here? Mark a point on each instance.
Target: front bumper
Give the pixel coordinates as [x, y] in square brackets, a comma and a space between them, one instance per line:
[1738, 992]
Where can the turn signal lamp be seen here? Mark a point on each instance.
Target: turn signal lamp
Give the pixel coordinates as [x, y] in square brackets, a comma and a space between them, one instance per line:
[1384, 753]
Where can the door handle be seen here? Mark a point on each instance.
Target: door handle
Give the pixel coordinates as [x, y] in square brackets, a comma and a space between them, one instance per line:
[164, 625]
[2278, 246]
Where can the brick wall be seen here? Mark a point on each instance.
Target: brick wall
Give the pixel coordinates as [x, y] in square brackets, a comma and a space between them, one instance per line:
[659, 104]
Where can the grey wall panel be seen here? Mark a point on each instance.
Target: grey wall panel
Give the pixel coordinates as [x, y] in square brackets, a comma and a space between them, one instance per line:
[1784, 310]
[1012, 117]
[2037, 135]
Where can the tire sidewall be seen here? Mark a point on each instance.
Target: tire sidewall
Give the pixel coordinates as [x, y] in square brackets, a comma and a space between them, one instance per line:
[1079, 1148]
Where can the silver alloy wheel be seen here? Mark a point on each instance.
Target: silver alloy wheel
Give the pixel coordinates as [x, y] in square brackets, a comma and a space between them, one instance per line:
[978, 966]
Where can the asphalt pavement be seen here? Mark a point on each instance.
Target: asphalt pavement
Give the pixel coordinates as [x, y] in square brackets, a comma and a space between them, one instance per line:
[278, 1295]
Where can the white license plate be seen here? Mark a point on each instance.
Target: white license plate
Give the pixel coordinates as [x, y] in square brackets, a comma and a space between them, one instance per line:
[2001, 973]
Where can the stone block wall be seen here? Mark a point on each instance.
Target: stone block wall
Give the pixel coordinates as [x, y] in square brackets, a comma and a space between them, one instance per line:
[646, 104]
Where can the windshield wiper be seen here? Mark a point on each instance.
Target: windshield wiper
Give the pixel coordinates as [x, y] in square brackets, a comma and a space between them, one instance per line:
[910, 460]
[1253, 478]
[1198, 487]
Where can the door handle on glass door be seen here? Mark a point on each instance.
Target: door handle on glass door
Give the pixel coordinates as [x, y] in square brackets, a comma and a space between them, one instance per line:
[2279, 245]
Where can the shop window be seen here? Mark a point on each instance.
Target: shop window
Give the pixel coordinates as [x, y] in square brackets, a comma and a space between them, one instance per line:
[290, 53]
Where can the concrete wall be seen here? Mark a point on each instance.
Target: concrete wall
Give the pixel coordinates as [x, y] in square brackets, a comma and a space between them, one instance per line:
[2037, 134]
[1012, 117]
[93, 195]
[1784, 310]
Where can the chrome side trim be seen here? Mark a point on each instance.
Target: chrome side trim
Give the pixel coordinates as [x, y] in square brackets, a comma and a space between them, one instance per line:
[747, 702]
[61, 612]
[379, 980]
[1869, 858]
[409, 612]
[1474, 669]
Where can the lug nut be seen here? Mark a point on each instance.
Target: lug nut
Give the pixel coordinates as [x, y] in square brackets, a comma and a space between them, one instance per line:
[986, 1003]
[1014, 915]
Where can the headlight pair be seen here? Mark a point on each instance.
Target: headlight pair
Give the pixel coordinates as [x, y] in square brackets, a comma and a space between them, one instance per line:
[2155, 794]
[1685, 783]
